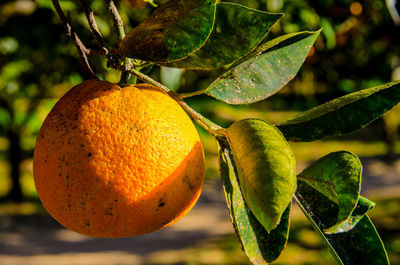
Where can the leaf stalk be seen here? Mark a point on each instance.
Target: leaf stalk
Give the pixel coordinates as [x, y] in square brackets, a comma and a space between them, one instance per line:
[191, 94]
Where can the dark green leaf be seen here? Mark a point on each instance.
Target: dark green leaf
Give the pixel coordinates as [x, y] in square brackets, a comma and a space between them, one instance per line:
[266, 168]
[338, 177]
[342, 115]
[172, 32]
[359, 246]
[270, 67]
[260, 246]
[363, 206]
[325, 211]
[237, 30]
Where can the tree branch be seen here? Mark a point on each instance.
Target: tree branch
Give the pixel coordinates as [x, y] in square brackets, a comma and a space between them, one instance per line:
[82, 50]
[93, 26]
[119, 29]
[117, 21]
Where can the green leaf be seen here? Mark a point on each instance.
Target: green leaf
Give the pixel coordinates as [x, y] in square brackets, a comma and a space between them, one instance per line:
[237, 30]
[265, 71]
[363, 206]
[359, 246]
[338, 177]
[266, 168]
[172, 32]
[260, 246]
[342, 115]
[326, 211]
[171, 77]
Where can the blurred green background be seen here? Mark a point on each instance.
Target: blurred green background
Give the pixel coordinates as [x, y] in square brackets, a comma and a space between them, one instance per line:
[358, 48]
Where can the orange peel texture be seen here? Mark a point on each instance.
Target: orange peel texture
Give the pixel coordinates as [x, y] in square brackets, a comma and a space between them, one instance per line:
[117, 162]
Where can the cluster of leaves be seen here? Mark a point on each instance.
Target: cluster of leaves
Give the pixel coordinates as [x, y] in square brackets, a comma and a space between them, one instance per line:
[329, 73]
[208, 35]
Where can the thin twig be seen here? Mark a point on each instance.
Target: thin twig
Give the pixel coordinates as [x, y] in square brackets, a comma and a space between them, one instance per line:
[82, 50]
[90, 51]
[119, 29]
[93, 26]
[191, 94]
[117, 21]
[208, 125]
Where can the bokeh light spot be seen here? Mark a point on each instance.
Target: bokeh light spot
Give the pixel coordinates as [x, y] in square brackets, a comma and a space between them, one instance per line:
[356, 8]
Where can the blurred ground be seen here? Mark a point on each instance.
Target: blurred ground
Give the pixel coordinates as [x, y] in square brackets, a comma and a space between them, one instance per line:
[204, 236]
[38, 239]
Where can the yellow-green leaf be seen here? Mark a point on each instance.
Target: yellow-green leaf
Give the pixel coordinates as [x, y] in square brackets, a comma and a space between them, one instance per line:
[266, 168]
[260, 246]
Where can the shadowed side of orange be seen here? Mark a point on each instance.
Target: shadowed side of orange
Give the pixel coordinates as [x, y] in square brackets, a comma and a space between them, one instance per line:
[114, 162]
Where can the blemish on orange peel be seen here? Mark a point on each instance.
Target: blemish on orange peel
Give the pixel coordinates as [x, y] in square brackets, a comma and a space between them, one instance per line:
[117, 162]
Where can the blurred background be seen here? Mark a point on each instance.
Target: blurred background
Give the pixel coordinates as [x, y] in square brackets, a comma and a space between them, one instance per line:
[358, 48]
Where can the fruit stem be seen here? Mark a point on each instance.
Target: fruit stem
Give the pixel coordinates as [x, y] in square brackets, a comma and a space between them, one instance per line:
[82, 50]
[125, 75]
[209, 126]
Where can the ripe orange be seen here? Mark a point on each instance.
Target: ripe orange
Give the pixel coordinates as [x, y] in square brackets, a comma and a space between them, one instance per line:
[115, 162]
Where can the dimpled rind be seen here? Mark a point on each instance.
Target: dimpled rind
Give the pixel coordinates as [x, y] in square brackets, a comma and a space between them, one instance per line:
[116, 162]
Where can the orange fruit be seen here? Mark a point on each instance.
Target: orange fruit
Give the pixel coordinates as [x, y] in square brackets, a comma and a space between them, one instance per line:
[116, 162]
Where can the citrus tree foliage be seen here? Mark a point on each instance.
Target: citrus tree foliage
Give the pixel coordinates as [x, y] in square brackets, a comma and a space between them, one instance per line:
[256, 163]
[26, 80]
